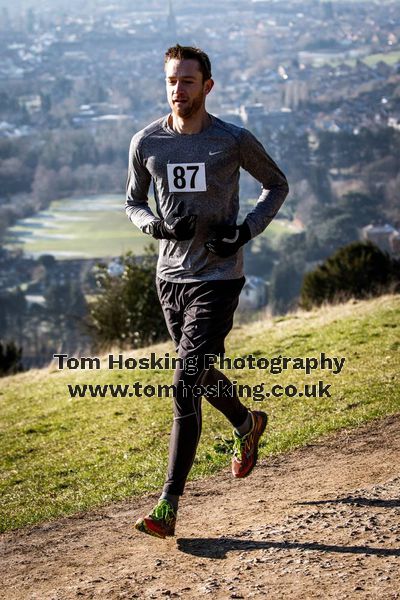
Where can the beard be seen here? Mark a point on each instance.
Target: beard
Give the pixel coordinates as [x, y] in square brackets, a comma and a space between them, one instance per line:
[190, 108]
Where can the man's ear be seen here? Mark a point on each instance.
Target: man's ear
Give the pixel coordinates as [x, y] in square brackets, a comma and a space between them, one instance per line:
[208, 86]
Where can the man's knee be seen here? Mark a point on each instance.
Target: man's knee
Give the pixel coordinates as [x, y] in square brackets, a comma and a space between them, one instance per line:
[187, 392]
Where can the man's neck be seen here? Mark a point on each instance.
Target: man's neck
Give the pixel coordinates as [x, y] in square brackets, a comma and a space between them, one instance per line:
[194, 124]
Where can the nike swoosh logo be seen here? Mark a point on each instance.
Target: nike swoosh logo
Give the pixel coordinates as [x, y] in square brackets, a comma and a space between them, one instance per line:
[232, 240]
[217, 152]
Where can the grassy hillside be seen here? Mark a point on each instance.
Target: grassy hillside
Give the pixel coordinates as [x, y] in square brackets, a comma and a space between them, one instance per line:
[61, 454]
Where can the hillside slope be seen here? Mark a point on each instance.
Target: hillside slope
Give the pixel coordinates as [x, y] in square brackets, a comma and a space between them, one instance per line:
[319, 522]
[61, 454]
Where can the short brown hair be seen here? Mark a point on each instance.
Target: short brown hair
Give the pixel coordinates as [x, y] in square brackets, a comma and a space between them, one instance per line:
[190, 53]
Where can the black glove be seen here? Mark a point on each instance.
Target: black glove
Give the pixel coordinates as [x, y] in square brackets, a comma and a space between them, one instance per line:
[175, 226]
[229, 239]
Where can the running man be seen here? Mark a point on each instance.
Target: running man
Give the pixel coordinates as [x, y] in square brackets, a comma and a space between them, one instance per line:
[193, 160]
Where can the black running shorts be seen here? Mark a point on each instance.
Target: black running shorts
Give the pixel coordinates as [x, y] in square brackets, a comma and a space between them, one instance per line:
[199, 315]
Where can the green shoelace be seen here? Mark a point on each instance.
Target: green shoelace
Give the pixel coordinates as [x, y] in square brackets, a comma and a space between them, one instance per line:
[239, 443]
[164, 512]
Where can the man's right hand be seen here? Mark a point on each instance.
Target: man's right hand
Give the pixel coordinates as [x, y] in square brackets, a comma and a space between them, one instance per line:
[175, 226]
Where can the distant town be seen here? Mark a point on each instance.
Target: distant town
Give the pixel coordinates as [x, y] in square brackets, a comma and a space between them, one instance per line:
[315, 65]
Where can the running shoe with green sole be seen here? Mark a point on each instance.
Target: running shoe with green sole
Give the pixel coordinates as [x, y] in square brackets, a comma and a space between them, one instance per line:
[245, 448]
[160, 522]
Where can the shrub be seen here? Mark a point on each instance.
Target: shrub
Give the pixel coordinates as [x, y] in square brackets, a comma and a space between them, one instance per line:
[357, 270]
[127, 310]
[10, 359]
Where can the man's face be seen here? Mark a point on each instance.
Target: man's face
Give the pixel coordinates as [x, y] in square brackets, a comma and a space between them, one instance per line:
[186, 91]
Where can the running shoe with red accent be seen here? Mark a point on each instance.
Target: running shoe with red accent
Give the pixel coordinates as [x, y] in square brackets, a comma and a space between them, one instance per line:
[160, 522]
[245, 448]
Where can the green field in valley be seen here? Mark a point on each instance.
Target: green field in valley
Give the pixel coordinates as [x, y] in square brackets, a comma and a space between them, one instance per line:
[277, 230]
[61, 454]
[92, 227]
[87, 227]
[391, 58]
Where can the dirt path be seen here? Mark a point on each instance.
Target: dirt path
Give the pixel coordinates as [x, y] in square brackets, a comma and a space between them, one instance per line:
[321, 522]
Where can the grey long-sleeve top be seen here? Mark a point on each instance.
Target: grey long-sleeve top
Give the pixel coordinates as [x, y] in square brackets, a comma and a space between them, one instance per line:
[202, 170]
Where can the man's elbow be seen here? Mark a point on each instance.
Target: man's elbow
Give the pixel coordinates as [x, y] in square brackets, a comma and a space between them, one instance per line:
[281, 187]
[285, 186]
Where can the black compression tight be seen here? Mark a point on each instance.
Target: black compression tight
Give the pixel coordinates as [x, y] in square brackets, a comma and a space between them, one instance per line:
[186, 427]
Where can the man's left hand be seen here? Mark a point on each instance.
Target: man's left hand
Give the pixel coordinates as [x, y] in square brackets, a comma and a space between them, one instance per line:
[229, 239]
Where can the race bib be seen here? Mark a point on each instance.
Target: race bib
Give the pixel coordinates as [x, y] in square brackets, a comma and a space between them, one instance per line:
[187, 177]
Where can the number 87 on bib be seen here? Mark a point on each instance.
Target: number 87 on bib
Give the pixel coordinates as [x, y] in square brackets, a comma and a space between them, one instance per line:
[187, 177]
